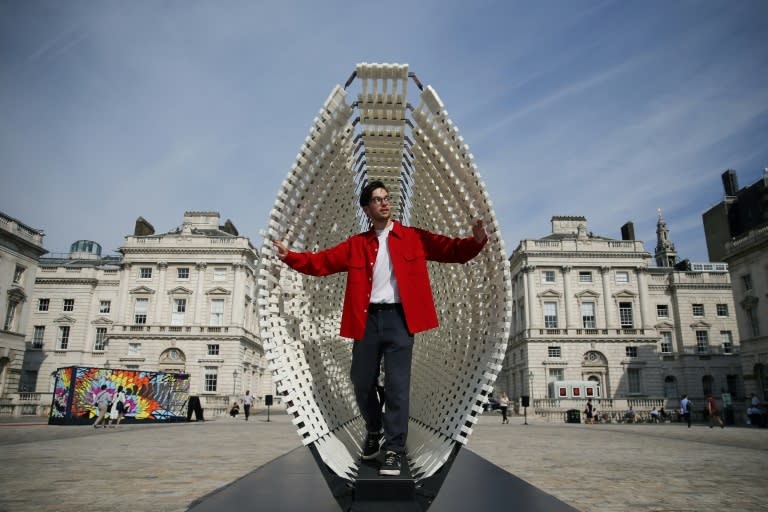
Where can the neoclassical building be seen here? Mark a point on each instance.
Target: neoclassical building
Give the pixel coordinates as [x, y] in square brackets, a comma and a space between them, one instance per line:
[593, 309]
[736, 230]
[20, 248]
[181, 301]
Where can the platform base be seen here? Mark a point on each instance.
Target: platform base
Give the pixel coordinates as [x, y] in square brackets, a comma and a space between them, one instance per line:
[292, 483]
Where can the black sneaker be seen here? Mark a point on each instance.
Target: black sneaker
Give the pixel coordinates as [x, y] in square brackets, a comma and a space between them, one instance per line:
[391, 465]
[372, 446]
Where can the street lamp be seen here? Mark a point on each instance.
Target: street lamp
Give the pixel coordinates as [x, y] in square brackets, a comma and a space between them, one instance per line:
[234, 381]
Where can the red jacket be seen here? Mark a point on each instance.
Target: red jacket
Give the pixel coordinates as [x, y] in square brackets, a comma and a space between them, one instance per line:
[409, 250]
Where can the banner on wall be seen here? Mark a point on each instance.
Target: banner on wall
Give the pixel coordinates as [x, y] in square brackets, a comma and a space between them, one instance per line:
[150, 396]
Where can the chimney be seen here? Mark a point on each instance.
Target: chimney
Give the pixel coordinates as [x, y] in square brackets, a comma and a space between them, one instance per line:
[628, 231]
[730, 182]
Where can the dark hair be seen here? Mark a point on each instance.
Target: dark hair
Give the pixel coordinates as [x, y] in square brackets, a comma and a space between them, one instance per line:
[365, 194]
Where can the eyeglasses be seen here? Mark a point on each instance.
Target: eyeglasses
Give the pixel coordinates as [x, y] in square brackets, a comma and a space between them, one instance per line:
[380, 200]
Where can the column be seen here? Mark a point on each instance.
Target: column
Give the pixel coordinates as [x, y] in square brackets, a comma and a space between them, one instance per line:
[642, 286]
[566, 272]
[123, 308]
[238, 295]
[161, 298]
[199, 295]
[528, 277]
[610, 318]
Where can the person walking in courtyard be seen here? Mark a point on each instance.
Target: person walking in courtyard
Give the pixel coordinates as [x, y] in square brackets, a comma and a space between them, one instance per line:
[504, 406]
[589, 411]
[388, 299]
[685, 409]
[118, 407]
[713, 413]
[101, 401]
[247, 403]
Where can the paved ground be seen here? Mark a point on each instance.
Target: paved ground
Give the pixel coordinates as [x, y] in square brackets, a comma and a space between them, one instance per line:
[591, 467]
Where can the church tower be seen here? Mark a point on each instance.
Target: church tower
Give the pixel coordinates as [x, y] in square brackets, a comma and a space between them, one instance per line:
[665, 254]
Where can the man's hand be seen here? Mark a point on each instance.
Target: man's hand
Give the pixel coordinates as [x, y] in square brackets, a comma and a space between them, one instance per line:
[478, 231]
[282, 250]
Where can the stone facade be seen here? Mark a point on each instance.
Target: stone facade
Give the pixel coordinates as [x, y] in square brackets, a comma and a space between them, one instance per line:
[20, 248]
[181, 301]
[737, 229]
[590, 308]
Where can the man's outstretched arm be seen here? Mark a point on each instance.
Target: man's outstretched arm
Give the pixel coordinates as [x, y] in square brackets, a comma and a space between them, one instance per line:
[322, 263]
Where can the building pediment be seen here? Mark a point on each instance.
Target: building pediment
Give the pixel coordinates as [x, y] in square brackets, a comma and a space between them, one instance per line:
[102, 321]
[64, 319]
[664, 325]
[180, 290]
[550, 294]
[700, 324]
[218, 291]
[587, 294]
[142, 290]
[624, 294]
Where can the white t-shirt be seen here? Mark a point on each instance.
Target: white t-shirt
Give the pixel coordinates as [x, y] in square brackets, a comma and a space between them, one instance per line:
[384, 288]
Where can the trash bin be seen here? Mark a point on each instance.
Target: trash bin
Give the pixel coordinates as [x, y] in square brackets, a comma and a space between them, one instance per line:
[573, 416]
[729, 416]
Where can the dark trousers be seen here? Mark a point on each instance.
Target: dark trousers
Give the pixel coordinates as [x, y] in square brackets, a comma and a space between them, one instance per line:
[247, 411]
[687, 418]
[387, 337]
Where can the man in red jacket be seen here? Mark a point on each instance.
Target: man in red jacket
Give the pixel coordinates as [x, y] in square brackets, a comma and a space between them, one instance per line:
[388, 299]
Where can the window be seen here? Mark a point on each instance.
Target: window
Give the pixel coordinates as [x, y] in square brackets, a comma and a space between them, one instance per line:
[702, 342]
[622, 276]
[210, 379]
[722, 309]
[182, 273]
[134, 349]
[630, 352]
[140, 311]
[698, 309]
[585, 276]
[105, 306]
[69, 305]
[179, 309]
[662, 311]
[707, 383]
[145, 273]
[556, 374]
[101, 339]
[550, 315]
[666, 342]
[625, 315]
[588, 315]
[10, 314]
[38, 336]
[554, 352]
[217, 312]
[633, 380]
[548, 276]
[727, 339]
[43, 304]
[752, 319]
[18, 274]
[746, 280]
[219, 273]
[213, 350]
[62, 342]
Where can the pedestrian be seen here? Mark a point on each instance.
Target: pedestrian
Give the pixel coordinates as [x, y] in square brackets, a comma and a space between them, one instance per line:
[589, 411]
[247, 403]
[118, 407]
[504, 406]
[388, 300]
[713, 413]
[101, 401]
[235, 410]
[685, 409]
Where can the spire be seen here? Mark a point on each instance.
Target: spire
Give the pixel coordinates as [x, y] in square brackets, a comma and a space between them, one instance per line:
[665, 254]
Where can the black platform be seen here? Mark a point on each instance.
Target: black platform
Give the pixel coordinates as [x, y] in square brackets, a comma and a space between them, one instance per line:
[294, 483]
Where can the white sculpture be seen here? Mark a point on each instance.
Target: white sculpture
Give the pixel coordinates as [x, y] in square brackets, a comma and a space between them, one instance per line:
[418, 153]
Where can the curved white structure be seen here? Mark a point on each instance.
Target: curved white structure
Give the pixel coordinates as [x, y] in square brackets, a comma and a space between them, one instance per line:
[418, 152]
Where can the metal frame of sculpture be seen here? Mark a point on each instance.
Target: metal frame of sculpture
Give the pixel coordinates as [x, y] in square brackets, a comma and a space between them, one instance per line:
[418, 153]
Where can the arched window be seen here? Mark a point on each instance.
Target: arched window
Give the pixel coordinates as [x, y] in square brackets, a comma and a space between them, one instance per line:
[670, 387]
[707, 383]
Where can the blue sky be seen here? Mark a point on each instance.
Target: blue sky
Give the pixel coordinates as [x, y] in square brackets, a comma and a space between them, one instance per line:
[113, 110]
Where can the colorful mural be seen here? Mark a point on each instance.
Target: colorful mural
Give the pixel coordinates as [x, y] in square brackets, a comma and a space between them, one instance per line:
[150, 396]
